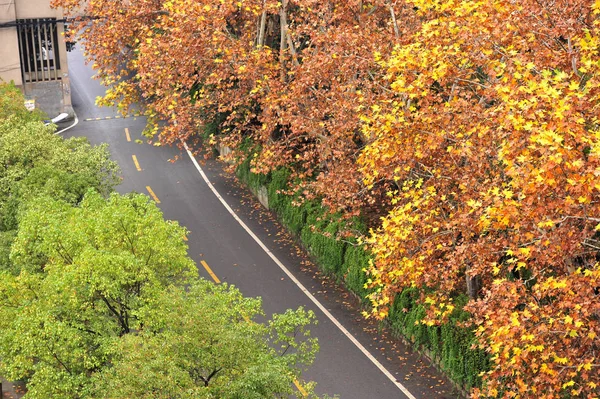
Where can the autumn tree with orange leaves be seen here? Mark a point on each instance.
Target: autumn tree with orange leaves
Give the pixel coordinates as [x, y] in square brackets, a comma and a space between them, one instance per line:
[469, 127]
[492, 141]
[294, 87]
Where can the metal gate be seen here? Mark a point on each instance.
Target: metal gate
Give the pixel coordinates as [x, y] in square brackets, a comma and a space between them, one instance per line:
[38, 47]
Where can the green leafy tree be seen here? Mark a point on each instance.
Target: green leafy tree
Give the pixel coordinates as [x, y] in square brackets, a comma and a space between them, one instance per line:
[35, 162]
[12, 104]
[202, 343]
[85, 272]
[107, 304]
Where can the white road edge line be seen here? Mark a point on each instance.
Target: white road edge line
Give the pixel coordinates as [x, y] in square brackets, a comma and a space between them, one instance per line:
[69, 127]
[298, 283]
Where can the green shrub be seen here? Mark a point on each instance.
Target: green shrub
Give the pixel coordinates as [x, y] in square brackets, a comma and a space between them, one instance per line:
[8, 213]
[12, 104]
[449, 344]
[319, 235]
[243, 170]
[252, 180]
[213, 128]
[279, 181]
[356, 260]
[292, 216]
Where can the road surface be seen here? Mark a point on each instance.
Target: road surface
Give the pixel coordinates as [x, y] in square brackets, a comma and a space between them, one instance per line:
[225, 251]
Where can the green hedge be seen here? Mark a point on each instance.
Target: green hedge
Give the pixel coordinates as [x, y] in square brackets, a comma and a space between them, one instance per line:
[293, 217]
[356, 261]
[279, 181]
[253, 180]
[450, 345]
[213, 128]
[319, 237]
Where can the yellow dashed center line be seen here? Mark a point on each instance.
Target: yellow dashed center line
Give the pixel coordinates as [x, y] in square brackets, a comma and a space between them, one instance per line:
[134, 115]
[208, 269]
[154, 197]
[137, 164]
[300, 389]
[127, 134]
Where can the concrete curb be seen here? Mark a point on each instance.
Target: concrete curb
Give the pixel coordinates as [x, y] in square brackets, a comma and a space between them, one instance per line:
[69, 127]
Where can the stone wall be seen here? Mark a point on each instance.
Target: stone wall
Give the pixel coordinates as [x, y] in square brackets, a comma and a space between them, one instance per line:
[49, 97]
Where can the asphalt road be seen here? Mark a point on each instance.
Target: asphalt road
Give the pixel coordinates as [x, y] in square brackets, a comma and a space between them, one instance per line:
[218, 241]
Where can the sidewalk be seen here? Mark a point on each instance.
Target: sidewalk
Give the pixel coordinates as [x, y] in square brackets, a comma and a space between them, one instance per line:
[12, 390]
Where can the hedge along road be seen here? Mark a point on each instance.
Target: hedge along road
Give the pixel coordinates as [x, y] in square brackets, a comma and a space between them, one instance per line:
[244, 250]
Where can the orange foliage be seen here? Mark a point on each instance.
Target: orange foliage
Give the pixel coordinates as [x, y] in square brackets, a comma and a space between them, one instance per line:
[493, 145]
[474, 123]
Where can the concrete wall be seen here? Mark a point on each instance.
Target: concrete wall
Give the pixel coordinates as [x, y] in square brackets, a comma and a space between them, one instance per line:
[49, 96]
[10, 65]
[37, 9]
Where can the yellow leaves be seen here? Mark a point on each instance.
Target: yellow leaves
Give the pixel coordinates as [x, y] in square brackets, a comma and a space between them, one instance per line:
[525, 251]
[535, 348]
[568, 384]
[495, 269]
[546, 224]
[474, 204]
[527, 337]
[547, 370]
[572, 333]
[516, 352]
[560, 76]
[560, 360]
[556, 284]
[514, 186]
[514, 319]
[574, 86]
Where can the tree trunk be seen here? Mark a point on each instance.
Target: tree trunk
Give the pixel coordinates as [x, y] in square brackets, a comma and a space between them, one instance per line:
[396, 31]
[473, 285]
[292, 50]
[283, 41]
[261, 30]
